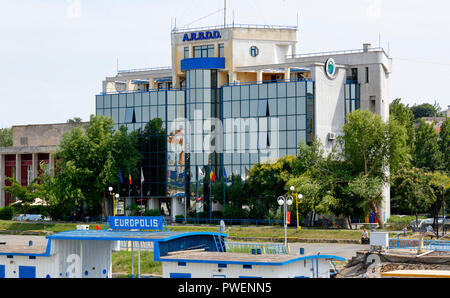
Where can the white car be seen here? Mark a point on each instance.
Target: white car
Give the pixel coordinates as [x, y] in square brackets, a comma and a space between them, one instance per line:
[30, 217]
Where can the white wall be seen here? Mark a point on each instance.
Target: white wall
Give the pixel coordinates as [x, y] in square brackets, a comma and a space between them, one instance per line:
[206, 270]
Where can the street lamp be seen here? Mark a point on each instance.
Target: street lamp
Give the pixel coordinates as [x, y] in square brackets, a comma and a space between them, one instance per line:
[443, 208]
[286, 201]
[298, 198]
[114, 197]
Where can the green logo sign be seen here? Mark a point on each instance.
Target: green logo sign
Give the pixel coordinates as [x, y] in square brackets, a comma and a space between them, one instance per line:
[330, 68]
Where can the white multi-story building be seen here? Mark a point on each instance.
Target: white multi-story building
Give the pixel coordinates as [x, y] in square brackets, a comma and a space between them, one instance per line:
[252, 80]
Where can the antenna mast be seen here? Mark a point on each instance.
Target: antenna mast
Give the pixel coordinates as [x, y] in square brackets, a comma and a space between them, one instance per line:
[225, 13]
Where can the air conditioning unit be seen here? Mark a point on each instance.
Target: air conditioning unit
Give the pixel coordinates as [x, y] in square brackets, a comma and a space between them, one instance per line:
[331, 136]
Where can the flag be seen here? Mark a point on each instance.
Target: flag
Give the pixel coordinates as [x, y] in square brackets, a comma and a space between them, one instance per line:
[225, 175]
[212, 176]
[200, 173]
[129, 177]
[142, 176]
[120, 176]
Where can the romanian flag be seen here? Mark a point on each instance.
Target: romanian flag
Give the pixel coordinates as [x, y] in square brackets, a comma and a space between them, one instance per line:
[212, 176]
[129, 177]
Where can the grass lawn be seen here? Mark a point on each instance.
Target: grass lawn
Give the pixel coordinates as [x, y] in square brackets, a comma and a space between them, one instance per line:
[235, 231]
[121, 263]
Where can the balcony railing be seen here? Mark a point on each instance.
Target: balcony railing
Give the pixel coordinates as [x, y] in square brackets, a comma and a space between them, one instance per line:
[329, 53]
[230, 26]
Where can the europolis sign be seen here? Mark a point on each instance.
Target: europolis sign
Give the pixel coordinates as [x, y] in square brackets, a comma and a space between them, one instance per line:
[205, 35]
[135, 223]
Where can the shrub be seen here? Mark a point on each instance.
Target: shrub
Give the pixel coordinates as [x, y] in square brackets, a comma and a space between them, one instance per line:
[6, 213]
[152, 212]
[179, 218]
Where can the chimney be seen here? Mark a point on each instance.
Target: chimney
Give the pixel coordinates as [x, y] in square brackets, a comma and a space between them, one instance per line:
[366, 47]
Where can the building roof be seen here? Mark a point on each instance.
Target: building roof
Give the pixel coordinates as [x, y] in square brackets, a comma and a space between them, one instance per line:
[125, 235]
[240, 258]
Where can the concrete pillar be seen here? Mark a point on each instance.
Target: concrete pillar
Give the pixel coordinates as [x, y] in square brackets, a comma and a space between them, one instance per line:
[153, 204]
[34, 166]
[233, 77]
[18, 168]
[178, 207]
[2, 180]
[51, 163]
[287, 73]
[259, 76]
[151, 84]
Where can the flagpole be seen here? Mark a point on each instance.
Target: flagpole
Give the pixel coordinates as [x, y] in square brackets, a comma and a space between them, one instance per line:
[196, 194]
[129, 193]
[210, 199]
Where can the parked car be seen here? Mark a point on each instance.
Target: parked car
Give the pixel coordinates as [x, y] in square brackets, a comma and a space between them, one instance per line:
[31, 217]
[422, 224]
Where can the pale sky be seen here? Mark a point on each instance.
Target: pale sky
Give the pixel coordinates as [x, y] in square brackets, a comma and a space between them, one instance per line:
[54, 54]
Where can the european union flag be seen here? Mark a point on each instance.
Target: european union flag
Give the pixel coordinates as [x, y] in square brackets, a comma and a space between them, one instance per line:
[225, 175]
[120, 176]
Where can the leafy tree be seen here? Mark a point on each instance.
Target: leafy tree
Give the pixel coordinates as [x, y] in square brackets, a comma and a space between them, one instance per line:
[444, 144]
[6, 138]
[88, 163]
[316, 197]
[427, 154]
[425, 110]
[267, 182]
[26, 194]
[405, 117]
[75, 120]
[371, 145]
[412, 191]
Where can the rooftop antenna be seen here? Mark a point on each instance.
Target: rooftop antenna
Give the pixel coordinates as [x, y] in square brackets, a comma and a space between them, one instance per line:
[233, 17]
[225, 13]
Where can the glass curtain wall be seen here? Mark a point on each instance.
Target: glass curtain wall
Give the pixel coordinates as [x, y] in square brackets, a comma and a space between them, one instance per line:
[148, 115]
[352, 97]
[264, 122]
[203, 112]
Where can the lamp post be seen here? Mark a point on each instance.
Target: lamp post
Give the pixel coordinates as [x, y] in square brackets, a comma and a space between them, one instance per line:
[286, 201]
[297, 199]
[443, 208]
[114, 197]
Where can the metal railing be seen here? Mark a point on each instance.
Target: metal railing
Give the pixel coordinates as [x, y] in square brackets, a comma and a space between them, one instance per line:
[230, 26]
[266, 249]
[169, 68]
[268, 82]
[231, 222]
[437, 245]
[342, 52]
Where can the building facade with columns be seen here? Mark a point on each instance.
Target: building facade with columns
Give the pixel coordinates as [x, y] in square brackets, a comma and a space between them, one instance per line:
[33, 145]
[237, 95]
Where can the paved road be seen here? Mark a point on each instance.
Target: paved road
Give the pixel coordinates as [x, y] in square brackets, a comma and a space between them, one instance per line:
[346, 251]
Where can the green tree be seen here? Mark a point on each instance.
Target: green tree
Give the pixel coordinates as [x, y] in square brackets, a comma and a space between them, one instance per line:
[444, 144]
[6, 138]
[412, 191]
[88, 163]
[25, 194]
[425, 110]
[267, 182]
[405, 117]
[427, 154]
[371, 146]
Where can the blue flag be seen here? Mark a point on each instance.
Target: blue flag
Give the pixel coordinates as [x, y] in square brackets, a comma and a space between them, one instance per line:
[225, 174]
[120, 176]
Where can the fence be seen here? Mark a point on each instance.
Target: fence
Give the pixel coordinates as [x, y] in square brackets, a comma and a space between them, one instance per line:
[231, 222]
[437, 245]
[267, 249]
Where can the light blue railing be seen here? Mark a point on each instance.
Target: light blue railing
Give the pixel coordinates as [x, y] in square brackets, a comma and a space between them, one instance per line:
[267, 249]
[437, 245]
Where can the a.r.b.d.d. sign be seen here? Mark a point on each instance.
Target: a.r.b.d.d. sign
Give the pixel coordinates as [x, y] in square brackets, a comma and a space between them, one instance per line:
[135, 223]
